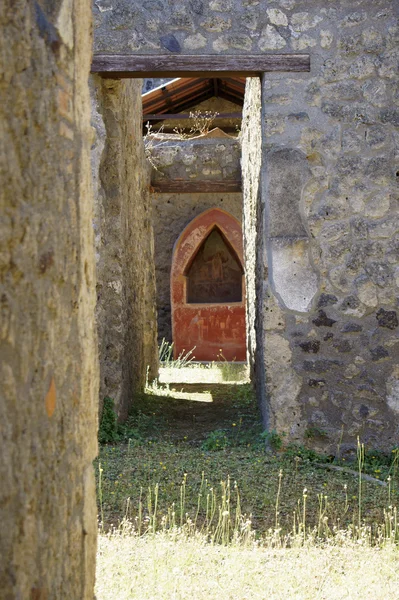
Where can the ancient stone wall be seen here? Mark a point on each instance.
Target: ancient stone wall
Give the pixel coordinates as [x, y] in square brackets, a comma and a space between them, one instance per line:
[48, 349]
[329, 191]
[201, 158]
[126, 314]
[189, 160]
[329, 201]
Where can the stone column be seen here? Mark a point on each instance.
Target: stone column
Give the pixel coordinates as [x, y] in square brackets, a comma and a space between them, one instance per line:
[126, 310]
[328, 232]
[48, 349]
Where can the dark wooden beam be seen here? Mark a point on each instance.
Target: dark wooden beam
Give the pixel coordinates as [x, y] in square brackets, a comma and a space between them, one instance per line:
[118, 66]
[161, 116]
[195, 187]
[230, 130]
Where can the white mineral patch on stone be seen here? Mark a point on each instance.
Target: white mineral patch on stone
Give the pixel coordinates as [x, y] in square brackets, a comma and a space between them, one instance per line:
[326, 38]
[220, 45]
[303, 42]
[193, 42]
[367, 293]
[102, 8]
[378, 206]
[277, 17]
[294, 279]
[65, 24]
[271, 39]
[393, 391]
[116, 286]
[166, 156]
[188, 159]
[216, 23]
[220, 5]
[303, 21]
[351, 371]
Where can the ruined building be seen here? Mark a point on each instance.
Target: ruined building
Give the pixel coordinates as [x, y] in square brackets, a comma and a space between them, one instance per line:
[319, 153]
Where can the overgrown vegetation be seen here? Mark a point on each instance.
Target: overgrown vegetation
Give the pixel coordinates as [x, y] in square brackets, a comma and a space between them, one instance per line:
[183, 503]
[165, 355]
[108, 430]
[182, 466]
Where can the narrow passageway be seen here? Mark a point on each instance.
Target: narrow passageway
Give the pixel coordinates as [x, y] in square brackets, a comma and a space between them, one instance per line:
[193, 402]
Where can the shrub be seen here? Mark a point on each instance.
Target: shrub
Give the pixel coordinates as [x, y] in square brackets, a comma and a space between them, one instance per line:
[108, 431]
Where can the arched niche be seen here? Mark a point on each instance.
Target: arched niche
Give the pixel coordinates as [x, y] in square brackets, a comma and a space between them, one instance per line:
[208, 288]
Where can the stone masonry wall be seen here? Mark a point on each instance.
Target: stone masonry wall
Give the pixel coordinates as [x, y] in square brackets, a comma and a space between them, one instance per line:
[195, 159]
[329, 177]
[48, 349]
[224, 26]
[126, 314]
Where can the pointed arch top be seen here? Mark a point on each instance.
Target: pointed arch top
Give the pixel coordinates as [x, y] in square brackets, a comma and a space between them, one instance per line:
[194, 234]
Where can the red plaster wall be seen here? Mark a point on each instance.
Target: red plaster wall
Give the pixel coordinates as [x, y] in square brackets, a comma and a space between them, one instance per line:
[214, 329]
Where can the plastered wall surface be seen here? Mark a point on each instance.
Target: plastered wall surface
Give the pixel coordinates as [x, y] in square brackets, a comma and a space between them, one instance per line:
[328, 175]
[48, 345]
[126, 313]
[189, 160]
[172, 212]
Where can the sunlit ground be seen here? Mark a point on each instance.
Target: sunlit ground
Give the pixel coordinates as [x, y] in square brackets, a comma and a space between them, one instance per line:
[157, 568]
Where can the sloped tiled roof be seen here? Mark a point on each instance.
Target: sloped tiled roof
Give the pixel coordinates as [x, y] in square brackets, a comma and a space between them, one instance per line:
[182, 94]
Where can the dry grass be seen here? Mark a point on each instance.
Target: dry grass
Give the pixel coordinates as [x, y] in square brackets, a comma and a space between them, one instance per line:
[175, 525]
[156, 567]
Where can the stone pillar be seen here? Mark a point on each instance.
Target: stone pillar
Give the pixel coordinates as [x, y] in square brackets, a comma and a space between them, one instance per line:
[48, 349]
[328, 232]
[126, 312]
[253, 233]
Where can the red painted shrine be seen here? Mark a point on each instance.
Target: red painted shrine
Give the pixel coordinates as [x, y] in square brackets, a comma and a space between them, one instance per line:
[208, 289]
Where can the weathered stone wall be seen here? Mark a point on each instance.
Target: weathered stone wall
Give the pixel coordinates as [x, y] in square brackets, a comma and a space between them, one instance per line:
[328, 180]
[48, 353]
[227, 26]
[195, 159]
[329, 191]
[126, 314]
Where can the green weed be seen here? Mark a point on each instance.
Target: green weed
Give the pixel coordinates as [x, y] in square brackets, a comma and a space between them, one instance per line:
[108, 430]
[216, 440]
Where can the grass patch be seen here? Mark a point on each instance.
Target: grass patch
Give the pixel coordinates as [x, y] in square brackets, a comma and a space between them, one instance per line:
[190, 502]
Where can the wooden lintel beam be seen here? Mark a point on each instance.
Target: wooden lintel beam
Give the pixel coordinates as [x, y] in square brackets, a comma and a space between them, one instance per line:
[117, 66]
[164, 116]
[195, 187]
